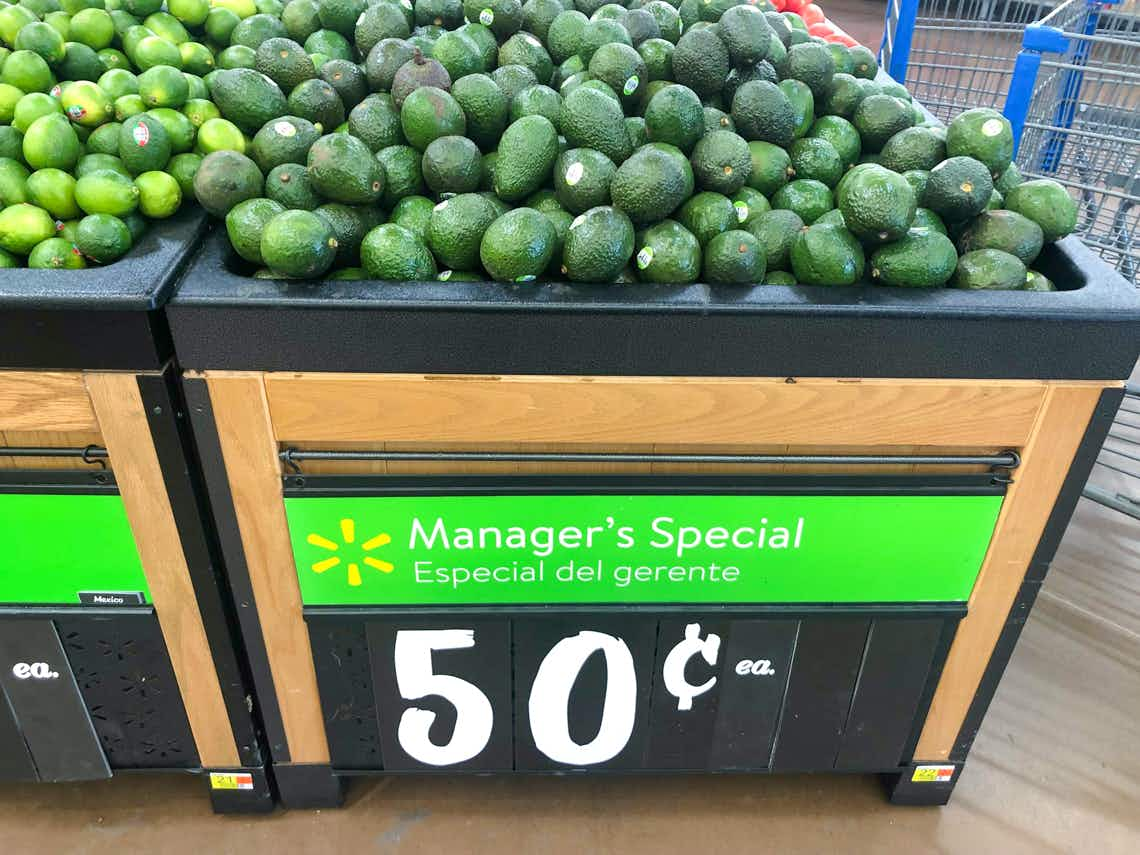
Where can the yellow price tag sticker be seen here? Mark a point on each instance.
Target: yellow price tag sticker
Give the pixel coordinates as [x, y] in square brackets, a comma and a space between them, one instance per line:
[231, 781]
[932, 774]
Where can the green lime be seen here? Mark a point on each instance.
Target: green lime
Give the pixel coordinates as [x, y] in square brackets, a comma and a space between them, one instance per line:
[54, 191]
[159, 194]
[11, 142]
[61, 23]
[179, 128]
[166, 26]
[192, 13]
[104, 139]
[7, 260]
[93, 27]
[103, 238]
[43, 39]
[12, 19]
[22, 226]
[155, 50]
[31, 107]
[112, 58]
[163, 86]
[219, 135]
[237, 56]
[91, 162]
[127, 106]
[86, 104]
[13, 181]
[50, 141]
[106, 192]
[196, 58]
[241, 8]
[56, 254]
[9, 97]
[27, 71]
[117, 82]
[220, 23]
[199, 111]
[183, 168]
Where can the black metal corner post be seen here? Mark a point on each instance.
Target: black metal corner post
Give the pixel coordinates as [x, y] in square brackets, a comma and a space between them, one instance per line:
[297, 785]
[249, 788]
[903, 788]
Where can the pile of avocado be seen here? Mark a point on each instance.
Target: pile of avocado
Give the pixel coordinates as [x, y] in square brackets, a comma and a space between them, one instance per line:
[662, 141]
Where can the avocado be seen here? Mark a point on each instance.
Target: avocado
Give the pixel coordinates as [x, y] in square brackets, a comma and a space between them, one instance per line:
[776, 230]
[812, 64]
[247, 98]
[526, 156]
[343, 169]
[878, 205]
[989, 270]
[393, 252]
[675, 116]
[1047, 203]
[958, 189]
[485, 107]
[456, 230]
[598, 245]
[622, 69]
[651, 183]
[923, 258]
[298, 244]
[290, 185]
[429, 113]
[452, 165]
[375, 121]
[721, 162]
[244, 224]
[983, 134]
[284, 62]
[1008, 231]
[810, 199]
[913, 148]
[590, 119]
[701, 62]
[284, 140]
[827, 254]
[761, 111]
[745, 33]
[815, 157]
[517, 246]
[667, 253]
[707, 215]
[582, 178]
[403, 173]
[880, 117]
[734, 257]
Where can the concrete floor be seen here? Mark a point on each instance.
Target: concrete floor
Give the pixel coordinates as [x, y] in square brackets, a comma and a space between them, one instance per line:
[1053, 770]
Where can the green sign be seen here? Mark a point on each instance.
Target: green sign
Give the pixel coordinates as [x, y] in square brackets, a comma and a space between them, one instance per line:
[450, 550]
[67, 550]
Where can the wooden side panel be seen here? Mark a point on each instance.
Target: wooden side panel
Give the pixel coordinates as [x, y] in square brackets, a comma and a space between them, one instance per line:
[250, 454]
[602, 410]
[1065, 414]
[45, 401]
[123, 422]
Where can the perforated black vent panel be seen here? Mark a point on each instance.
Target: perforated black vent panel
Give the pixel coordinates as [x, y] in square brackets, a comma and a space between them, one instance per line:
[124, 674]
[344, 675]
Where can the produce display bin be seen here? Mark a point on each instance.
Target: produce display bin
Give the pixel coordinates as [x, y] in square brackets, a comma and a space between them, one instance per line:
[118, 650]
[498, 528]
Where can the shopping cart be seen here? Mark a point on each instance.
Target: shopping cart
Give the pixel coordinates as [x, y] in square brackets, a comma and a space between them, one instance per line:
[1067, 76]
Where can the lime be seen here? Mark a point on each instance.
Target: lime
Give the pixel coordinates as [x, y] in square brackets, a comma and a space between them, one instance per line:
[219, 135]
[166, 26]
[127, 106]
[93, 27]
[220, 23]
[196, 58]
[103, 238]
[133, 37]
[192, 13]
[199, 111]
[31, 107]
[12, 19]
[86, 104]
[51, 142]
[155, 50]
[22, 226]
[183, 168]
[11, 142]
[196, 86]
[56, 254]
[104, 139]
[112, 58]
[179, 128]
[163, 86]
[91, 162]
[9, 97]
[117, 82]
[159, 194]
[54, 191]
[241, 8]
[142, 8]
[60, 22]
[237, 56]
[7, 260]
[43, 39]
[80, 63]
[28, 71]
[106, 192]
[13, 181]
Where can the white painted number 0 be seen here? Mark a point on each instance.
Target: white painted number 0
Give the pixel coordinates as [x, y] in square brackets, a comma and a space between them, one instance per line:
[550, 699]
[415, 679]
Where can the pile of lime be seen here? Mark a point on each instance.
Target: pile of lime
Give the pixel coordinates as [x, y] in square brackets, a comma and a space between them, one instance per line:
[662, 141]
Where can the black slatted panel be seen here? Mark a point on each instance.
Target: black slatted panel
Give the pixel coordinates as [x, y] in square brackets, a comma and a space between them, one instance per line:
[895, 670]
[825, 668]
[344, 679]
[15, 761]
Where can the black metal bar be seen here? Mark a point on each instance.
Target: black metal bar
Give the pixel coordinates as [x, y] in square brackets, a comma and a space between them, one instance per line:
[93, 454]
[1006, 460]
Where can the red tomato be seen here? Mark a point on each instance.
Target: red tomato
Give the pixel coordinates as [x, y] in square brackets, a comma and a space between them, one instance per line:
[794, 5]
[812, 14]
[779, 4]
[821, 29]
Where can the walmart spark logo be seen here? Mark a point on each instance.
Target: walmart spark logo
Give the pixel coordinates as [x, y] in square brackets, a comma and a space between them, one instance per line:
[348, 539]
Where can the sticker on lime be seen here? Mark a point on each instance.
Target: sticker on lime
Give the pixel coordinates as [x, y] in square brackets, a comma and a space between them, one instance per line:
[992, 127]
[75, 112]
[741, 211]
[530, 277]
[444, 276]
[644, 257]
[285, 129]
[577, 221]
[440, 206]
[574, 173]
[141, 133]
[631, 85]
[486, 17]
[55, 91]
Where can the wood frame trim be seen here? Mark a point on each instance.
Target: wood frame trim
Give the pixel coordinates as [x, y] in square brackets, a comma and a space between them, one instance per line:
[117, 402]
[50, 401]
[650, 410]
[1046, 457]
[249, 452]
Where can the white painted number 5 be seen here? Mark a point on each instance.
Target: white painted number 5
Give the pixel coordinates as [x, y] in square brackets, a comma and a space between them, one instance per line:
[415, 680]
[550, 699]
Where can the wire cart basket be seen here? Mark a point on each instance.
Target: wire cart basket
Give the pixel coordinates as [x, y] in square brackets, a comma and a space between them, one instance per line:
[1067, 76]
